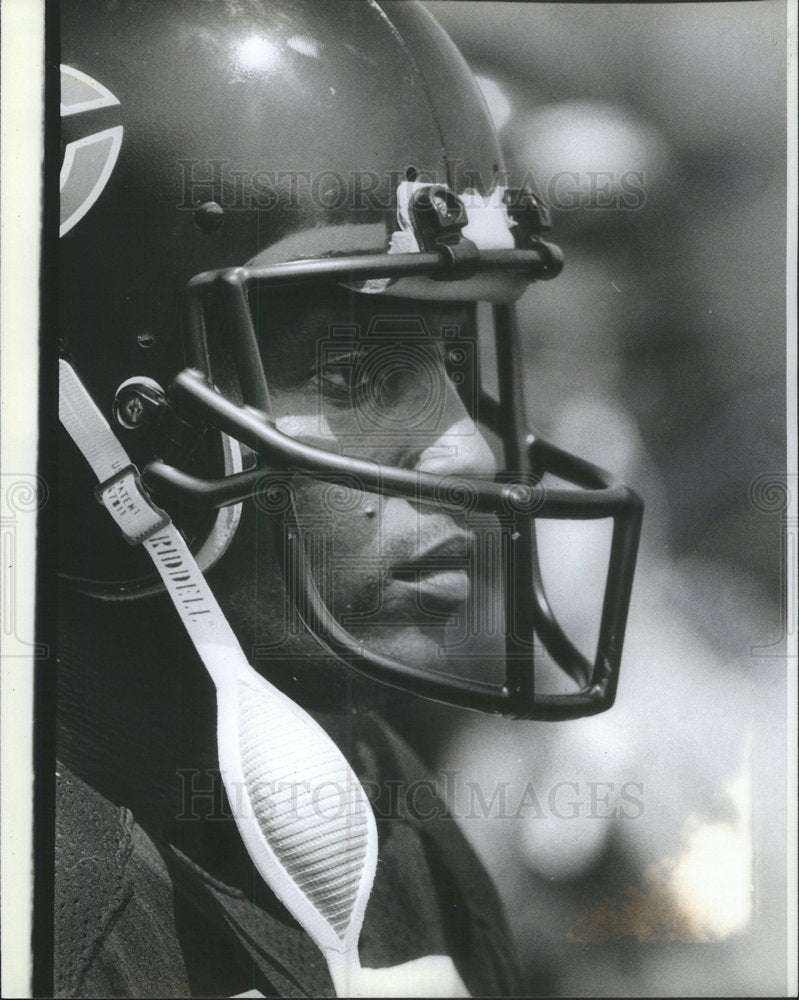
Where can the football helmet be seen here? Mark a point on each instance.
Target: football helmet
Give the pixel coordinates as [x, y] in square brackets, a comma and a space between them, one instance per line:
[214, 154]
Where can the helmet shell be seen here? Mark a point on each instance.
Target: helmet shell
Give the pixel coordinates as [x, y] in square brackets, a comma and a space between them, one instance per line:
[273, 129]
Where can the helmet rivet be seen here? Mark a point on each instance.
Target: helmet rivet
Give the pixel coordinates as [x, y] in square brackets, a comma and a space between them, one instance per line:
[209, 216]
[369, 511]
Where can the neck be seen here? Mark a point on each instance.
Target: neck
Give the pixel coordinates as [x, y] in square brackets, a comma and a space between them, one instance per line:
[136, 711]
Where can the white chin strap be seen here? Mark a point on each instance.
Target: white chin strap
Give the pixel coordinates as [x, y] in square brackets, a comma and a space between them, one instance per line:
[303, 816]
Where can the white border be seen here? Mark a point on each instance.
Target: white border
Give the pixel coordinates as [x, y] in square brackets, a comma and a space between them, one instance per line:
[21, 87]
[792, 512]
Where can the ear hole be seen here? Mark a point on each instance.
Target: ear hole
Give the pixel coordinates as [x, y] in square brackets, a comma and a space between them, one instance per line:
[411, 173]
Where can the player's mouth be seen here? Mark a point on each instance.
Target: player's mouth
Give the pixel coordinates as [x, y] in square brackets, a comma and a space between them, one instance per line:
[438, 578]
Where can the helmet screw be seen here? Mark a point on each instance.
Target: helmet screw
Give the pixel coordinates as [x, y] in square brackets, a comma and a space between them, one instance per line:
[133, 409]
[138, 402]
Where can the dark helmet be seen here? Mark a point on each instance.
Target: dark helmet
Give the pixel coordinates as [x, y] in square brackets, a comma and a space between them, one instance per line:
[215, 152]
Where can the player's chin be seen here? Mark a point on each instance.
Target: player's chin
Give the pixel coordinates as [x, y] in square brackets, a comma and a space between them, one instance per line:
[440, 648]
[321, 683]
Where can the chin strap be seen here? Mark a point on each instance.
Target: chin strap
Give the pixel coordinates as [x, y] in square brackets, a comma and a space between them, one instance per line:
[303, 816]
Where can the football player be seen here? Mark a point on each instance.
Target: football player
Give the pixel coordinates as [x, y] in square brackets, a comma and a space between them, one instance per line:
[289, 253]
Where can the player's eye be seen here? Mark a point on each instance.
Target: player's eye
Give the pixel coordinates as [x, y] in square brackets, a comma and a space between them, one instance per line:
[382, 374]
[342, 373]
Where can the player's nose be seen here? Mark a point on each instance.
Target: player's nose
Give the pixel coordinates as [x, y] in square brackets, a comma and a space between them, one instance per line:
[460, 450]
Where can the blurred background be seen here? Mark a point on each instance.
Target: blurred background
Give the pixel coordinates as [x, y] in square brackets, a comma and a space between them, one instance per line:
[643, 853]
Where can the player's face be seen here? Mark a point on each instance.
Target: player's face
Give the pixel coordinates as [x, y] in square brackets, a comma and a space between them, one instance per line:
[389, 381]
